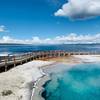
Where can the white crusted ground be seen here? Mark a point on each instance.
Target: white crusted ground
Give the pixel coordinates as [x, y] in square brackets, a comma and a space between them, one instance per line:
[16, 84]
[88, 58]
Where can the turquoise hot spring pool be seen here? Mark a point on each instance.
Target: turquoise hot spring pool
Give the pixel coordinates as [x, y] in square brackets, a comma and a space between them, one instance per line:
[80, 82]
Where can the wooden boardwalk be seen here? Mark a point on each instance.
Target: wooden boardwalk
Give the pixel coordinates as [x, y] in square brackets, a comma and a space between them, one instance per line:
[9, 62]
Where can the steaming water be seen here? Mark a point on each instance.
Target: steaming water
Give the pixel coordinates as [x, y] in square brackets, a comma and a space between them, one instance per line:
[78, 82]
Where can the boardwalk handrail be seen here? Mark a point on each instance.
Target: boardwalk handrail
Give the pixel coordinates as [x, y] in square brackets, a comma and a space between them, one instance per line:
[14, 60]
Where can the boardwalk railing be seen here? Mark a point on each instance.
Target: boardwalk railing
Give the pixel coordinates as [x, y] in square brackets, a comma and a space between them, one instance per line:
[7, 62]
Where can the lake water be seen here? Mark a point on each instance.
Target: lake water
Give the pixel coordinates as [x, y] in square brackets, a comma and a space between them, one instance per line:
[12, 48]
[78, 82]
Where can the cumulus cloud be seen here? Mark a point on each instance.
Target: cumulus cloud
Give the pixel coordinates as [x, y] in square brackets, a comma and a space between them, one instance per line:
[68, 39]
[2, 28]
[80, 9]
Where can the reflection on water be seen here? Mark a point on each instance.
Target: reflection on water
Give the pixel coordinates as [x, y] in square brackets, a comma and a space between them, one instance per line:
[80, 82]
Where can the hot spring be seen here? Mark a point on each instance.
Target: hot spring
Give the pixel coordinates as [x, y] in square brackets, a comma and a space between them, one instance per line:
[77, 82]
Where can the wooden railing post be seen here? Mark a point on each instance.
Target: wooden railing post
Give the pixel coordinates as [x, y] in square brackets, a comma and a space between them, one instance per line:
[6, 64]
[21, 59]
[30, 56]
[26, 57]
[14, 61]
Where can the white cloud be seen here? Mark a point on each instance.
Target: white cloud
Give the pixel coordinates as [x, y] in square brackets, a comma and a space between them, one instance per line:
[80, 9]
[68, 39]
[2, 28]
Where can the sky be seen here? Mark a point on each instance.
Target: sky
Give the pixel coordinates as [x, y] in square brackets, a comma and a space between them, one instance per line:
[49, 21]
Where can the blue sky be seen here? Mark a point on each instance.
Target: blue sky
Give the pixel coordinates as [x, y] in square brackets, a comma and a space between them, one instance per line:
[24, 19]
[27, 18]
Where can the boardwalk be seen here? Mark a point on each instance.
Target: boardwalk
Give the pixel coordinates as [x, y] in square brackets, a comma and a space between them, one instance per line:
[8, 62]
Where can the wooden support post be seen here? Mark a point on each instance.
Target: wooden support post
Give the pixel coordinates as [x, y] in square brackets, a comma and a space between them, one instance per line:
[59, 54]
[69, 54]
[26, 57]
[21, 60]
[5, 64]
[14, 61]
[63, 54]
[30, 56]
